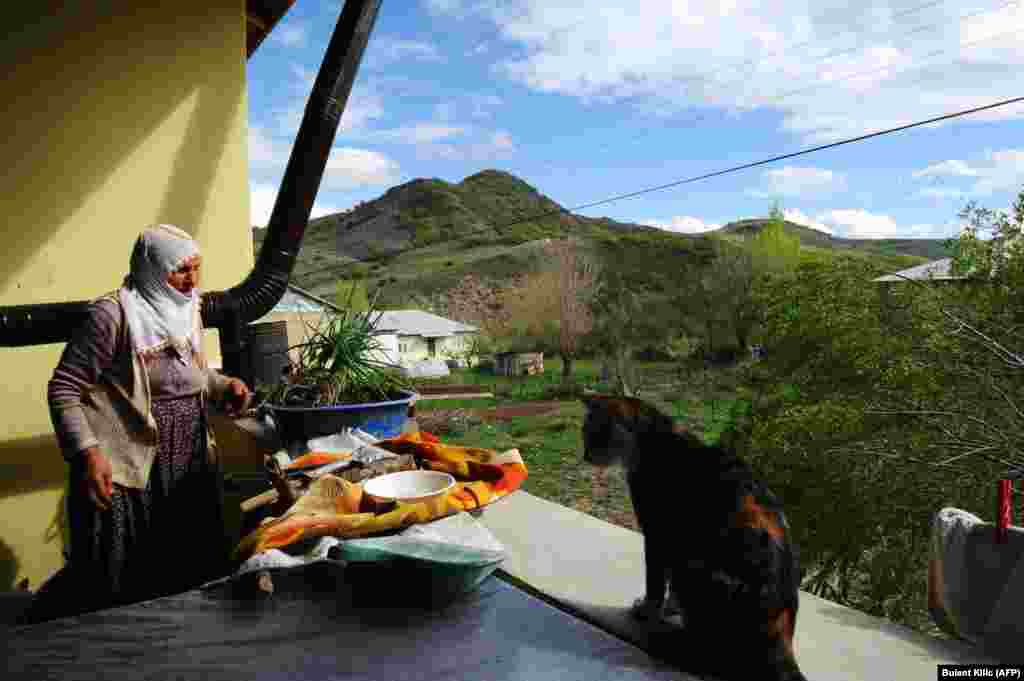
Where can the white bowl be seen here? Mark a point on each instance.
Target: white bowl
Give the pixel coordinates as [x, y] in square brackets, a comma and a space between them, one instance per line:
[409, 486]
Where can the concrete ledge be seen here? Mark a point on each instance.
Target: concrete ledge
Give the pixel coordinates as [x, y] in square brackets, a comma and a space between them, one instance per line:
[596, 569]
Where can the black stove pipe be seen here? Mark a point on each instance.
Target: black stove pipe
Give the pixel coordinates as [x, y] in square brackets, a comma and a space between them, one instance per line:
[231, 310]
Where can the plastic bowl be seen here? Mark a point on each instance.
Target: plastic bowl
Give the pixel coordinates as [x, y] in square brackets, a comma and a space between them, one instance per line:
[409, 486]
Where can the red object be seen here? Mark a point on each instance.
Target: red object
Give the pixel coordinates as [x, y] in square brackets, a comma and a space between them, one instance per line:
[1003, 512]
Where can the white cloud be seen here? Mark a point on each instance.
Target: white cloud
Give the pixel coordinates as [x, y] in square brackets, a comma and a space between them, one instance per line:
[684, 224]
[994, 171]
[417, 133]
[1002, 170]
[261, 204]
[832, 70]
[485, 147]
[947, 168]
[349, 168]
[476, 106]
[445, 6]
[857, 223]
[943, 193]
[387, 50]
[268, 155]
[794, 181]
[321, 208]
[800, 218]
[290, 35]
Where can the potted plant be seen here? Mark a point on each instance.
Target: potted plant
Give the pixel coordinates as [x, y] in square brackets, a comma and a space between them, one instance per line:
[340, 379]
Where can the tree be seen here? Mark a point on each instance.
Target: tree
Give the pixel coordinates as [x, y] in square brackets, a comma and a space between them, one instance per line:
[534, 310]
[576, 277]
[620, 323]
[550, 308]
[883, 427]
[774, 249]
[968, 346]
[720, 296]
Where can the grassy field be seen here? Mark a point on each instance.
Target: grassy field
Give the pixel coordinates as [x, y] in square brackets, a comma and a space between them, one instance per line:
[549, 440]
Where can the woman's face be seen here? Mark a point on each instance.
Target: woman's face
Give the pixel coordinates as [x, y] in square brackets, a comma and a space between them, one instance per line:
[186, 277]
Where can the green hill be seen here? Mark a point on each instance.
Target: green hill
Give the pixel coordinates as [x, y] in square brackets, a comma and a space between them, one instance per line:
[419, 240]
[931, 249]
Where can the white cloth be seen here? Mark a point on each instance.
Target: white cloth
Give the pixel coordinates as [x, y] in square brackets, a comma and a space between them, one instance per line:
[157, 314]
[982, 581]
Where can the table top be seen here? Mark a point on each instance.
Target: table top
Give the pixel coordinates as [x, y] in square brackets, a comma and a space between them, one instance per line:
[318, 625]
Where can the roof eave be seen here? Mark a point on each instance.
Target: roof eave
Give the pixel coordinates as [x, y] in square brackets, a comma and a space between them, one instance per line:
[261, 16]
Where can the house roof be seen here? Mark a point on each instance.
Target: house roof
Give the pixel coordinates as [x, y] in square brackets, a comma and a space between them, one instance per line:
[400, 322]
[419, 323]
[936, 270]
[296, 299]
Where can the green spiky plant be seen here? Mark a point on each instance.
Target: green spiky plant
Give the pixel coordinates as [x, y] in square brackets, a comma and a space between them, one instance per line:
[337, 364]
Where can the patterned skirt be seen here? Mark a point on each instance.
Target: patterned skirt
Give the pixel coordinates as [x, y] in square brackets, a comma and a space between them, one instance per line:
[164, 539]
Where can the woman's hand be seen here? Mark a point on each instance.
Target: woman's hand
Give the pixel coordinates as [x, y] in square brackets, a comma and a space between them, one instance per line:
[237, 397]
[98, 481]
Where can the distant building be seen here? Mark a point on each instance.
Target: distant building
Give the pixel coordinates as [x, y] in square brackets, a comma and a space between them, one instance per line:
[405, 336]
[896, 289]
[422, 335]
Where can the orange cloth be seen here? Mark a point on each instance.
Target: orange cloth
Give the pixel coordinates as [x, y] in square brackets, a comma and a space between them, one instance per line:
[482, 476]
[318, 459]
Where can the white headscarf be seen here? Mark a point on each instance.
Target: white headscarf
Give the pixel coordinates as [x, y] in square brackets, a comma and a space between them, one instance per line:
[158, 314]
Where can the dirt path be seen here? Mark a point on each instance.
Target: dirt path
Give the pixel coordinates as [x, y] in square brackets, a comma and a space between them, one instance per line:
[518, 410]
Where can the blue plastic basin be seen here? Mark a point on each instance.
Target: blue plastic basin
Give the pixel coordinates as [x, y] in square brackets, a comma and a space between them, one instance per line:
[380, 419]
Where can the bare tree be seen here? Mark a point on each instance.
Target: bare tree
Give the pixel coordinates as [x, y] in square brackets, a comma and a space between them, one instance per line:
[551, 307]
[576, 277]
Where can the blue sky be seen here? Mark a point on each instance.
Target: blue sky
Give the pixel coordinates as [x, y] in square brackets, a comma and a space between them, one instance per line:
[587, 100]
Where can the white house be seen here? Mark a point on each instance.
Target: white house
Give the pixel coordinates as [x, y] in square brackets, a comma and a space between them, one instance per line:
[405, 336]
[421, 335]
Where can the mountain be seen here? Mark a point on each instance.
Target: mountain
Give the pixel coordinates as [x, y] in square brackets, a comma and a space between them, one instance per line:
[422, 239]
[932, 249]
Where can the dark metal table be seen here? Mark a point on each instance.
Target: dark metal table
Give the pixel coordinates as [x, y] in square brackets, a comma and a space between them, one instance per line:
[318, 624]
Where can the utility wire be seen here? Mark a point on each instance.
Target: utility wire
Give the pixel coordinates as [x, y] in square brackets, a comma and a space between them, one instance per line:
[772, 100]
[493, 227]
[717, 173]
[802, 152]
[646, 131]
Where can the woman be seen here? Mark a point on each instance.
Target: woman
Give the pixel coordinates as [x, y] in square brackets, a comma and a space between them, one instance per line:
[128, 404]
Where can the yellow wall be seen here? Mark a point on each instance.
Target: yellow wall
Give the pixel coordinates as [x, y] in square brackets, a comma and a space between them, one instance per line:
[115, 117]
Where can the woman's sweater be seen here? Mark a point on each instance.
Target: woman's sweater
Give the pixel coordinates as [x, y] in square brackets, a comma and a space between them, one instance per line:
[99, 354]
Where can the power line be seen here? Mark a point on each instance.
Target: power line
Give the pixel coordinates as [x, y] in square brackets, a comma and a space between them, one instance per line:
[645, 132]
[717, 173]
[802, 152]
[698, 119]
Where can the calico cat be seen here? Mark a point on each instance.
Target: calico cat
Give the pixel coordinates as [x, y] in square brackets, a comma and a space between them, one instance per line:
[713, 535]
